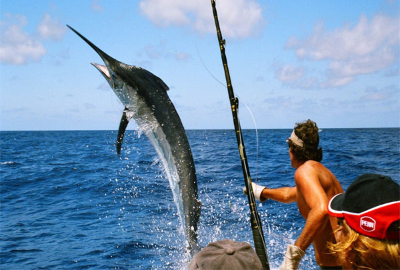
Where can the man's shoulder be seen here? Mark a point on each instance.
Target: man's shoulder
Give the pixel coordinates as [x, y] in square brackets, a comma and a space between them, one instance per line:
[306, 170]
[313, 171]
[309, 169]
[310, 165]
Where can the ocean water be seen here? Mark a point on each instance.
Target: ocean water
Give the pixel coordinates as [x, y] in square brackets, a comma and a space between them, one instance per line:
[68, 201]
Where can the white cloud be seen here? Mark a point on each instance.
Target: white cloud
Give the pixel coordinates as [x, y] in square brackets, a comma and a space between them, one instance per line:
[295, 76]
[363, 39]
[16, 46]
[49, 29]
[289, 73]
[238, 18]
[368, 47]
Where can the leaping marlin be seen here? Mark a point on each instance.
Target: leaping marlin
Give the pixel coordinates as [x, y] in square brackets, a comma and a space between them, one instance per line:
[145, 98]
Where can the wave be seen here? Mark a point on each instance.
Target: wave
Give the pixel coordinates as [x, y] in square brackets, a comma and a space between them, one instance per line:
[9, 163]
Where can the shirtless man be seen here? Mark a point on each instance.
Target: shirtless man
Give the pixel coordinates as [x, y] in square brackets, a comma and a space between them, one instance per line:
[315, 186]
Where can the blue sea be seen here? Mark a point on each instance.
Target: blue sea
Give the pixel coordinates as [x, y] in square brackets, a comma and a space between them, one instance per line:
[68, 201]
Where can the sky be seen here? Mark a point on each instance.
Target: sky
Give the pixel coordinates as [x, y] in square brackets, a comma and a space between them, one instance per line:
[335, 62]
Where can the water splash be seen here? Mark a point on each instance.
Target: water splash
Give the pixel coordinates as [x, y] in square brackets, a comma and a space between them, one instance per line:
[166, 170]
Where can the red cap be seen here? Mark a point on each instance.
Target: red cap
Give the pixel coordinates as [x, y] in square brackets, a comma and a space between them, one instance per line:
[369, 206]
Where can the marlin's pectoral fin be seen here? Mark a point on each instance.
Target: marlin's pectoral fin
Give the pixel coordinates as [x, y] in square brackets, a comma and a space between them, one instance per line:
[122, 127]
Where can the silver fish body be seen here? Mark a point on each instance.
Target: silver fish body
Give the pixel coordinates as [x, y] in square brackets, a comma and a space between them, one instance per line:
[145, 98]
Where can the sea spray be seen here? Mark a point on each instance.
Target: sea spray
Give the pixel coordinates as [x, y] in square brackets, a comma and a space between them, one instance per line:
[166, 171]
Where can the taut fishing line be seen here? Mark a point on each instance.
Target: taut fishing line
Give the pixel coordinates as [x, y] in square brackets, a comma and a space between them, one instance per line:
[209, 72]
[248, 108]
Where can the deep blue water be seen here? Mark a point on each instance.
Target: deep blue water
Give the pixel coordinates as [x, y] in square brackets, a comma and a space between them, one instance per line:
[69, 202]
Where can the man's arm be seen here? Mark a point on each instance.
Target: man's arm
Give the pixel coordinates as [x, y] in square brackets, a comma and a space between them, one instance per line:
[284, 194]
[315, 221]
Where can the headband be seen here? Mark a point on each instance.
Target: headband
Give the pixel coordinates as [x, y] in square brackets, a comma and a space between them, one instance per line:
[296, 140]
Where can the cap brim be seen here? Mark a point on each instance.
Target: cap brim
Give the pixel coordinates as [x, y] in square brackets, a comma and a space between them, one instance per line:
[335, 206]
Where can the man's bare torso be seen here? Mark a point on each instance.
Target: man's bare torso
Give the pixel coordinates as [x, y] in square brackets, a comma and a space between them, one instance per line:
[331, 186]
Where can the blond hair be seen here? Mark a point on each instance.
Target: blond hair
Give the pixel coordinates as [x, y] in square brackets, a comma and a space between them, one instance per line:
[357, 251]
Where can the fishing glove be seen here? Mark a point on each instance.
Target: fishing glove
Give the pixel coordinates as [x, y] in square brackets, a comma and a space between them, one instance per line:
[292, 258]
[257, 189]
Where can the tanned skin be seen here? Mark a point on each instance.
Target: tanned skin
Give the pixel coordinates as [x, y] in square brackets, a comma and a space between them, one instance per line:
[315, 186]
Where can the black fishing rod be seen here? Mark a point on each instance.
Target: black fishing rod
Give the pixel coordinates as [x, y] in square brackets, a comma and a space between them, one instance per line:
[256, 226]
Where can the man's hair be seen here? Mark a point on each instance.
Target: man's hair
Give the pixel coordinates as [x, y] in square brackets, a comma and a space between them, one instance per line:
[363, 252]
[307, 132]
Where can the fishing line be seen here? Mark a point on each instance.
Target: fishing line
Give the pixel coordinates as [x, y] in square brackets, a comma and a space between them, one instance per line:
[248, 108]
[209, 72]
[255, 125]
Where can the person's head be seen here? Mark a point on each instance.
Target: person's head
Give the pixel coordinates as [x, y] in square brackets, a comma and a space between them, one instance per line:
[368, 216]
[304, 141]
[226, 255]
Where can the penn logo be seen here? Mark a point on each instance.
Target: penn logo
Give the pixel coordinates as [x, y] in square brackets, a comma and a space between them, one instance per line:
[367, 224]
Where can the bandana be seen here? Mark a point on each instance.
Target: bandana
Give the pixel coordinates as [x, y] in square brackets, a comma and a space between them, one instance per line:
[296, 140]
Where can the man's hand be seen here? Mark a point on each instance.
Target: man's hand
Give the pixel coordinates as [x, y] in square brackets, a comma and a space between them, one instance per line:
[292, 258]
[257, 190]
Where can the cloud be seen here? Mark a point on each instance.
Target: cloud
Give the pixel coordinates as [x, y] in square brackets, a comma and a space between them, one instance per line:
[96, 6]
[368, 47]
[335, 81]
[18, 47]
[160, 50]
[289, 73]
[279, 102]
[295, 76]
[363, 39]
[182, 56]
[374, 94]
[238, 18]
[50, 29]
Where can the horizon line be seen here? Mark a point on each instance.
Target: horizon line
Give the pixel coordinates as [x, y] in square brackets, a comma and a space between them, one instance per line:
[192, 129]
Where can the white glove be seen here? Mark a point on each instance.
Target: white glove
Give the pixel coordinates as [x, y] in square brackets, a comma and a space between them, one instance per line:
[257, 189]
[292, 258]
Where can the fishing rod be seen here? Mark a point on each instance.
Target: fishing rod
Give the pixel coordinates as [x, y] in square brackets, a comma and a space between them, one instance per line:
[255, 220]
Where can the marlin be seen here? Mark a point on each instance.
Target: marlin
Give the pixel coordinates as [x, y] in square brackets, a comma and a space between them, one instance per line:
[145, 98]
